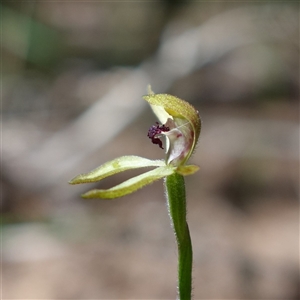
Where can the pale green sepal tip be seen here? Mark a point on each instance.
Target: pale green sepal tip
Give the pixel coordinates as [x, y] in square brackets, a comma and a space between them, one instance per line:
[158, 110]
[116, 166]
[131, 185]
[187, 170]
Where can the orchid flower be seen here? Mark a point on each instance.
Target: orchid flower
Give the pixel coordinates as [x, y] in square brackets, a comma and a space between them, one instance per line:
[180, 124]
[181, 127]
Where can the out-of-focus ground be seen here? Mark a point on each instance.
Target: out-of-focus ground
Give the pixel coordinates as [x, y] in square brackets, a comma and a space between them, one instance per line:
[73, 76]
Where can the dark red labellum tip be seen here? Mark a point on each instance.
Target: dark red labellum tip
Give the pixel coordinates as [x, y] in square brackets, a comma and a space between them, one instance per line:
[155, 130]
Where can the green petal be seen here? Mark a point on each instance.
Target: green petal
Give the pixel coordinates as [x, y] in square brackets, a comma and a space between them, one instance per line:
[187, 170]
[131, 185]
[116, 166]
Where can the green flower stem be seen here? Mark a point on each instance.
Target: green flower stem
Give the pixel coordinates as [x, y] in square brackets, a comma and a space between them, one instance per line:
[175, 191]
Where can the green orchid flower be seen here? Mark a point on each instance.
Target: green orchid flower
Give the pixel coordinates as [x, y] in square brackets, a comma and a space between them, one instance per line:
[180, 124]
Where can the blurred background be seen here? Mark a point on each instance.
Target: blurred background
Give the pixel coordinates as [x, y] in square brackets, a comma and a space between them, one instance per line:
[73, 77]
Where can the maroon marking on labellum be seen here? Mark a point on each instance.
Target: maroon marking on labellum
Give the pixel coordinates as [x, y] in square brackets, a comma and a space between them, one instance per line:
[154, 130]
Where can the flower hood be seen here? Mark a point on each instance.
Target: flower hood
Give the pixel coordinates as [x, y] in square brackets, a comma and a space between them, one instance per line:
[183, 123]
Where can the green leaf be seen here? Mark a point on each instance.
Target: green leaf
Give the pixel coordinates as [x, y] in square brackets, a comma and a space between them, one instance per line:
[116, 166]
[131, 185]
